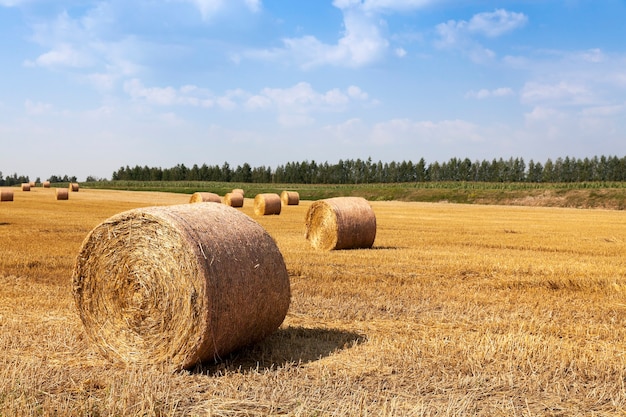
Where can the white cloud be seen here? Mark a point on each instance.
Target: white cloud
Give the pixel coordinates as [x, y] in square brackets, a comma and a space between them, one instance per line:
[496, 23]
[460, 34]
[400, 52]
[564, 93]
[381, 6]
[169, 96]
[442, 132]
[362, 42]
[36, 108]
[293, 106]
[485, 93]
[209, 8]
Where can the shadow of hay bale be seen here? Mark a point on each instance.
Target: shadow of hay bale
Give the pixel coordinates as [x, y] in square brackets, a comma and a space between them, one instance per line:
[287, 345]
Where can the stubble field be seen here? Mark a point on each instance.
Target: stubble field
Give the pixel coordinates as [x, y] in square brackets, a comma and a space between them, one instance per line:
[456, 310]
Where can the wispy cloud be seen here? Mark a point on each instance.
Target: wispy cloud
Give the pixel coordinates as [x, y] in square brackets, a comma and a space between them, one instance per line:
[461, 34]
[484, 93]
[363, 41]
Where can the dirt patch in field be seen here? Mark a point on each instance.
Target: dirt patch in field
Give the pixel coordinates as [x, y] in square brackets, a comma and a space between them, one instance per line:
[586, 199]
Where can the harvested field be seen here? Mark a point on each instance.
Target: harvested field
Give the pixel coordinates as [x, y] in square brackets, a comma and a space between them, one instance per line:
[455, 310]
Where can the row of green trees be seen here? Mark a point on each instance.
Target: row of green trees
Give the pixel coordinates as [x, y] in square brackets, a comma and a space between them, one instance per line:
[611, 168]
[20, 179]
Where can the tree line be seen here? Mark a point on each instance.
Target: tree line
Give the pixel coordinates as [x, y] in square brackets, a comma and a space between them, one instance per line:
[568, 169]
[15, 179]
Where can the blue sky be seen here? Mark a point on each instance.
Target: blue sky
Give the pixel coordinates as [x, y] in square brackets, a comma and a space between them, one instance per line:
[87, 87]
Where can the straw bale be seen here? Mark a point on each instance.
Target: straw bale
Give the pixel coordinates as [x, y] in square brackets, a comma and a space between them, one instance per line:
[25, 186]
[61, 193]
[45, 184]
[233, 199]
[290, 198]
[238, 190]
[266, 204]
[32, 184]
[179, 285]
[205, 198]
[6, 195]
[73, 187]
[340, 223]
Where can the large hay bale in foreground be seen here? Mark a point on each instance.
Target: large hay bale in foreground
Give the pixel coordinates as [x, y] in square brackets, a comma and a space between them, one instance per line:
[290, 198]
[267, 204]
[340, 223]
[205, 198]
[233, 199]
[61, 194]
[73, 187]
[25, 186]
[6, 195]
[178, 285]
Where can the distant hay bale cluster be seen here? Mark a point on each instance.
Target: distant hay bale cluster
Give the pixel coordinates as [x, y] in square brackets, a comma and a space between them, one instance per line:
[59, 193]
[160, 284]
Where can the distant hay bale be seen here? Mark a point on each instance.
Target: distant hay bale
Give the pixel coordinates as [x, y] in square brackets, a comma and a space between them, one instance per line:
[233, 199]
[267, 204]
[290, 198]
[73, 187]
[179, 285]
[25, 186]
[238, 190]
[6, 195]
[61, 193]
[340, 223]
[32, 184]
[45, 184]
[205, 198]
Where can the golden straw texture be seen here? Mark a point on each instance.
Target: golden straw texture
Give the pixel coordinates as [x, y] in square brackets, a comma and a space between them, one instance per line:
[61, 194]
[6, 195]
[290, 198]
[233, 199]
[266, 204]
[340, 223]
[178, 285]
[205, 198]
[25, 186]
[73, 187]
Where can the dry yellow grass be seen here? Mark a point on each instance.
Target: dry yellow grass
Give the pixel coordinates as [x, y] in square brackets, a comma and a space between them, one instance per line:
[456, 310]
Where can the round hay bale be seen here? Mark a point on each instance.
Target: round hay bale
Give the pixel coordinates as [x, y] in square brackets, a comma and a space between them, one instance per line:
[266, 204]
[238, 190]
[6, 195]
[45, 184]
[205, 198]
[340, 223]
[73, 187]
[179, 285]
[25, 186]
[233, 199]
[61, 193]
[290, 198]
[33, 184]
